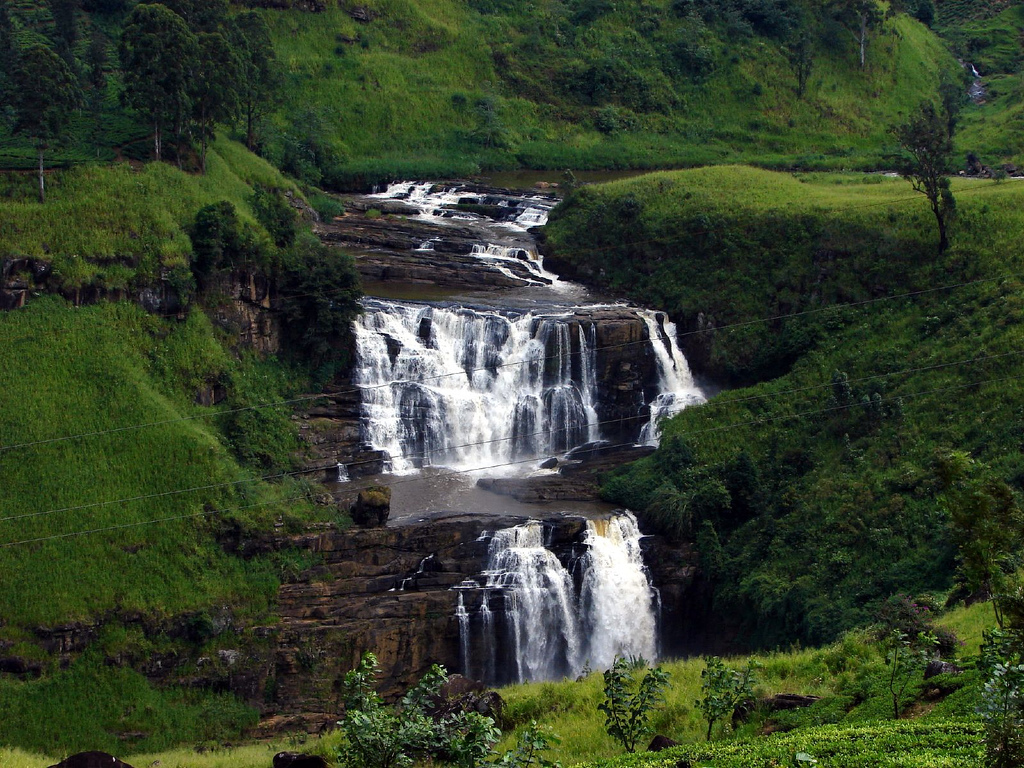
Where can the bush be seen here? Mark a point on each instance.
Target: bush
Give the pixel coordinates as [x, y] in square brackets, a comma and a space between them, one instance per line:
[379, 736]
[275, 214]
[628, 701]
[320, 294]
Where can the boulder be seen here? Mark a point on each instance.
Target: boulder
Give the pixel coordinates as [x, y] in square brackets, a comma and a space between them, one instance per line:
[298, 760]
[660, 742]
[939, 667]
[461, 694]
[91, 760]
[373, 507]
[549, 463]
[783, 701]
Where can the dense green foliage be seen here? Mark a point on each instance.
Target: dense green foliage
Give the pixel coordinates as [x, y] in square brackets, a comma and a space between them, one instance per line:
[447, 87]
[817, 493]
[381, 736]
[120, 485]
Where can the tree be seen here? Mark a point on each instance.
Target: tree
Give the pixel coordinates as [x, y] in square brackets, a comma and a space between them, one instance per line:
[213, 94]
[158, 55]
[859, 17]
[628, 701]
[200, 15]
[927, 149]
[47, 95]
[1002, 699]
[259, 78]
[724, 690]
[907, 657]
[8, 62]
[64, 24]
[319, 300]
[96, 69]
[800, 54]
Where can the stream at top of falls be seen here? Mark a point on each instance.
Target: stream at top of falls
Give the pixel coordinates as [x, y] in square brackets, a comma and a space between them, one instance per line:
[493, 383]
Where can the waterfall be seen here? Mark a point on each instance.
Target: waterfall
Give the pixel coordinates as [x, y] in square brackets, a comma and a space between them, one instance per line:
[469, 388]
[676, 388]
[500, 255]
[439, 201]
[516, 389]
[553, 624]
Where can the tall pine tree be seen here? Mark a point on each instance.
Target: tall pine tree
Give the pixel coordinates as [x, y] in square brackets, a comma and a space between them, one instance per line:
[47, 95]
[159, 56]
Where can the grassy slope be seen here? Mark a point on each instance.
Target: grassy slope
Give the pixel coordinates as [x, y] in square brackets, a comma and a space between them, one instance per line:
[994, 46]
[847, 508]
[404, 94]
[118, 226]
[71, 371]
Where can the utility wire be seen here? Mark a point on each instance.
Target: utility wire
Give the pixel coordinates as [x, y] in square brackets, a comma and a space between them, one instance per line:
[595, 249]
[466, 372]
[456, 472]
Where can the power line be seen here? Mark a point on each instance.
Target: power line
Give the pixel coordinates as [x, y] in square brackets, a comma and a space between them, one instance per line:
[590, 250]
[466, 372]
[455, 472]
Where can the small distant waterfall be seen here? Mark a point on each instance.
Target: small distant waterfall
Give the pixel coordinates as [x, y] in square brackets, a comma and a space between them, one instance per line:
[526, 385]
[676, 390]
[558, 616]
[436, 201]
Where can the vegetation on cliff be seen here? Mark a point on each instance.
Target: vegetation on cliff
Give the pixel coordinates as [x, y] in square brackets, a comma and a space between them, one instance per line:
[875, 382]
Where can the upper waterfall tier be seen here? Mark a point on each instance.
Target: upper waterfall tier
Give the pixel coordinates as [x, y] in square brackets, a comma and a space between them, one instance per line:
[461, 202]
[468, 388]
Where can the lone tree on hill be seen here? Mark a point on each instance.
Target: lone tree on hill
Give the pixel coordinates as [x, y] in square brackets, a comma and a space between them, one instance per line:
[214, 97]
[259, 79]
[47, 95]
[927, 148]
[158, 55]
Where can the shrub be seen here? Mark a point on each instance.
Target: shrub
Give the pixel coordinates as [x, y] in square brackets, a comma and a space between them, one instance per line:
[628, 701]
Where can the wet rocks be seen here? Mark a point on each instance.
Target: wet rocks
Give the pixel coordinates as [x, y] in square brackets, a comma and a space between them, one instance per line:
[372, 506]
[91, 760]
[298, 760]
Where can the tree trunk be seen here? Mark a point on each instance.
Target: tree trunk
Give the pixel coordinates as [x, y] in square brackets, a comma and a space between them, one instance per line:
[940, 219]
[863, 37]
[250, 138]
[42, 179]
[156, 140]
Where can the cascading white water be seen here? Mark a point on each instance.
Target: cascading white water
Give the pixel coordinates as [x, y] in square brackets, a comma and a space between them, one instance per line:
[471, 389]
[676, 388]
[616, 600]
[540, 602]
[501, 255]
[554, 625]
[436, 201]
[516, 389]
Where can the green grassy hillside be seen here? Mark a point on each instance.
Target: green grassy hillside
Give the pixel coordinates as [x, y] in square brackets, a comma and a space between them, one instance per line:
[447, 87]
[819, 486]
[119, 529]
[450, 87]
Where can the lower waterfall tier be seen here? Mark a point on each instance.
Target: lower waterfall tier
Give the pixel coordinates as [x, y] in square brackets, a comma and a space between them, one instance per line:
[537, 615]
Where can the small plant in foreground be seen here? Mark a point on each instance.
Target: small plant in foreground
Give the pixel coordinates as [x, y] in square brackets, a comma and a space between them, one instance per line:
[529, 750]
[724, 689]
[379, 736]
[907, 658]
[628, 701]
